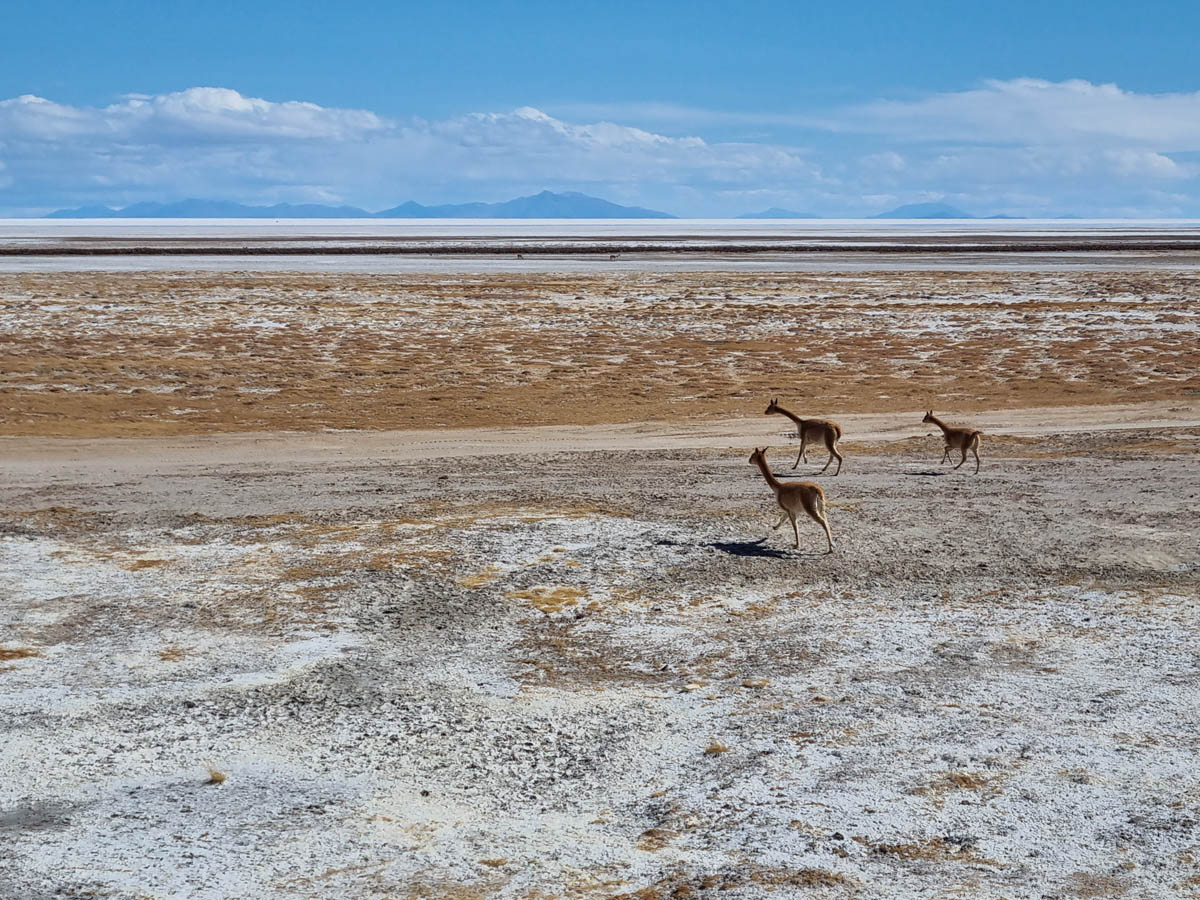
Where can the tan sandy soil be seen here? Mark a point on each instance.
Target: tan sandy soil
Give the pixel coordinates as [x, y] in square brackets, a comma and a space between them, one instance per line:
[1022, 431]
[161, 354]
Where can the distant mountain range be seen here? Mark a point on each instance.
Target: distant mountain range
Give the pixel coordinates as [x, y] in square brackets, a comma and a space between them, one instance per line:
[908, 211]
[924, 211]
[211, 209]
[937, 211]
[546, 205]
[776, 213]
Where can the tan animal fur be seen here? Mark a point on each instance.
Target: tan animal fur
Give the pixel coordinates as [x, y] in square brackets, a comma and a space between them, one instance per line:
[794, 496]
[961, 439]
[813, 430]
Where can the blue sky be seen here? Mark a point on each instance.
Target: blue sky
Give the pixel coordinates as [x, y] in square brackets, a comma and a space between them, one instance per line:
[698, 108]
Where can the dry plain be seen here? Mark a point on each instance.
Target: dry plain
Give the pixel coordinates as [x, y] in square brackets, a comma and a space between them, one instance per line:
[465, 588]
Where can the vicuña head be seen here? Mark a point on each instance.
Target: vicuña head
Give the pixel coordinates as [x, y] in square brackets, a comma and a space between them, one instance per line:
[928, 417]
[758, 456]
[773, 407]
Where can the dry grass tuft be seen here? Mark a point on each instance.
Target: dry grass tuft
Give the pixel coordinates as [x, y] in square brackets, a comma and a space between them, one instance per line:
[1089, 884]
[549, 600]
[949, 782]
[937, 849]
[799, 878]
[172, 654]
[480, 579]
[653, 839]
[215, 776]
[11, 653]
[715, 748]
[685, 885]
[138, 565]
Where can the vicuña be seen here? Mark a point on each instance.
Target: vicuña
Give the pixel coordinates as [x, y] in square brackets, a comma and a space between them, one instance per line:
[813, 430]
[793, 497]
[961, 439]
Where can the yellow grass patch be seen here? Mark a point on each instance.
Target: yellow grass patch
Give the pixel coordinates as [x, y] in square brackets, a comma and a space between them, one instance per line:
[654, 839]
[7, 654]
[549, 599]
[480, 579]
[138, 564]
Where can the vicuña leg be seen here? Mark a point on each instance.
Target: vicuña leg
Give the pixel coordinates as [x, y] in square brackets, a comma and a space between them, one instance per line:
[800, 455]
[795, 530]
[816, 510]
[945, 456]
[831, 446]
[964, 456]
[783, 518]
[975, 450]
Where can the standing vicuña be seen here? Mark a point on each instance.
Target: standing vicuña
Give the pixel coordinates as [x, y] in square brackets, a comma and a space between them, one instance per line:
[813, 430]
[793, 497]
[961, 439]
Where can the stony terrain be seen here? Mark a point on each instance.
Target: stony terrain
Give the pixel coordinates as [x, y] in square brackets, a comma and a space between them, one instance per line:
[598, 675]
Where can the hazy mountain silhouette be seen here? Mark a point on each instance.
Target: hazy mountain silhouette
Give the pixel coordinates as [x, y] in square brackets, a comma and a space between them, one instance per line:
[546, 205]
[924, 211]
[776, 213]
[212, 209]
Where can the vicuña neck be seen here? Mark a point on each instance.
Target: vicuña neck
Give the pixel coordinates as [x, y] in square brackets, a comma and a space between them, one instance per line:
[795, 418]
[939, 423]
[766, 472]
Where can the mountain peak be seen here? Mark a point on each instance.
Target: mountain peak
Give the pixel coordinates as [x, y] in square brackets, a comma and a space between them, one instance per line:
[544, 205]
[776, 213]
[924, 211]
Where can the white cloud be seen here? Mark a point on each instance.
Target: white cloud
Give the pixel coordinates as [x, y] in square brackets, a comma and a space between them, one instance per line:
[214, 142]
[1033, 111]
[198, 113]
[1023, 146]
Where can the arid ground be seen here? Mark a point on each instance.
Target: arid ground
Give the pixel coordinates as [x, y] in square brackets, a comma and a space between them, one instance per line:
[134, 354]
[322, 586]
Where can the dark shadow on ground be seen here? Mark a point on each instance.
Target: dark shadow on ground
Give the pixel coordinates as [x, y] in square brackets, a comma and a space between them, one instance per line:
[750, 548]
[927, 473]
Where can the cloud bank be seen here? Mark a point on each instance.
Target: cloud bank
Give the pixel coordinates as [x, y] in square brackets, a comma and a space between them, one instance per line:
[1023, 146]
[213, 142]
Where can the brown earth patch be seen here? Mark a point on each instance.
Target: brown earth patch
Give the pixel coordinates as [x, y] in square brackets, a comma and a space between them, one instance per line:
[91, 354]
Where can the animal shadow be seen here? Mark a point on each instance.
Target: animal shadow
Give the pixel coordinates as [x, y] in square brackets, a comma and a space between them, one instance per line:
[749, 548]
[927, 473]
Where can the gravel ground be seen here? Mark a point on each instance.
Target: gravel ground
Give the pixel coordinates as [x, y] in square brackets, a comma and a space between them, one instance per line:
[600, 675]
